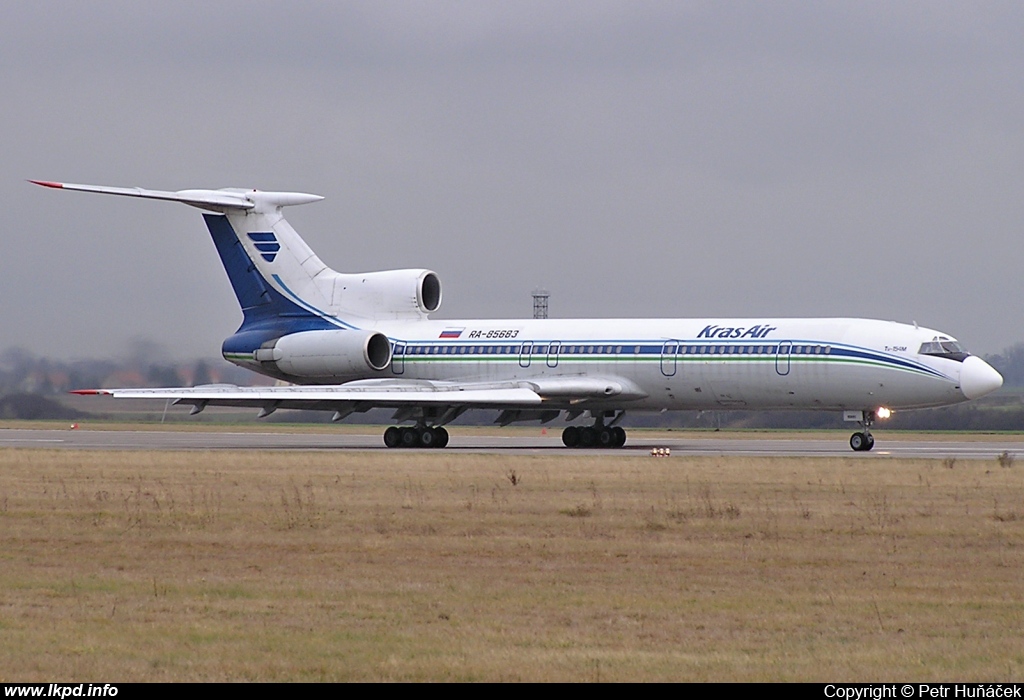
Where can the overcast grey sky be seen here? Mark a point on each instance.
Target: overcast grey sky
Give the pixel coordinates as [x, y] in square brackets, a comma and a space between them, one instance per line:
[636, 158]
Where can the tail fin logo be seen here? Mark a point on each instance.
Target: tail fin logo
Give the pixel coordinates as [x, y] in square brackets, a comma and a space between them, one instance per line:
[266, 243]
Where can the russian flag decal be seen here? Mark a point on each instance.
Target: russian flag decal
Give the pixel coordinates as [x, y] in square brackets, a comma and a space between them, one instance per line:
[451, 332]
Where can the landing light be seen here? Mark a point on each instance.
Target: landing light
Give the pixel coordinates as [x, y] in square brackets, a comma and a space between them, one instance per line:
[882, 413]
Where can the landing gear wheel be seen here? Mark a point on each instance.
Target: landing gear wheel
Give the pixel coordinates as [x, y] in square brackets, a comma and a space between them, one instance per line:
[588, 437]
[620, 436]
[392, 437]
[605, 437]
[427, 437]
[442, 437]
[409, 437]
[571, 436]
[862, 442]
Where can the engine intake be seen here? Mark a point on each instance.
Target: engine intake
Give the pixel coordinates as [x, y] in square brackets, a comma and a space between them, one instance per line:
[429, 292]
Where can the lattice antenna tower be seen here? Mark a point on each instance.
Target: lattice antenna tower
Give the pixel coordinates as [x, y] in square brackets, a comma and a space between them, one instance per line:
[540, 303]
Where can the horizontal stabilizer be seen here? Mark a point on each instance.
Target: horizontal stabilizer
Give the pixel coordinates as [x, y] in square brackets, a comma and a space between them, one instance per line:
[212, 200]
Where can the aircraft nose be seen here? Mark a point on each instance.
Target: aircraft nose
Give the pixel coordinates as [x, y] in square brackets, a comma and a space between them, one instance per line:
[978, 378]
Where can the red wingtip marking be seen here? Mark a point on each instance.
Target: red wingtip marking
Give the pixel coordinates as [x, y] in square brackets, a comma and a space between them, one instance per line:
[47, 183]
[89, 392]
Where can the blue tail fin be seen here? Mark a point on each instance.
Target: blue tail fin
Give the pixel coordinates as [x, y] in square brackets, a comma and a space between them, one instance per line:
[252, 294]
[268, 312]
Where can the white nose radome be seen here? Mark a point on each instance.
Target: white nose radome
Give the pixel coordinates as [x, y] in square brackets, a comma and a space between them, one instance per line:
[978, 378]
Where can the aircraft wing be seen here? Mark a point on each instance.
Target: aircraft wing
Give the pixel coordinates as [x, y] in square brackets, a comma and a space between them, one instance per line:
[363, 395]
[327, 397]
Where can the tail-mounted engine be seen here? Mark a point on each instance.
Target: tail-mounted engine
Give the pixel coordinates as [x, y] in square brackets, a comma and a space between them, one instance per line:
[327, 356]
[390, 294]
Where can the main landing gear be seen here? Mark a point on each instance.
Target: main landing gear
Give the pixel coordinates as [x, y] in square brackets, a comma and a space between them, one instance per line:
[593, 436]
[598, 435]
[864, 440]
[420, 436]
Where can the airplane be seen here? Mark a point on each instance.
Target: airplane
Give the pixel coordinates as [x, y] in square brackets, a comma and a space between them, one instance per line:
[351, 342]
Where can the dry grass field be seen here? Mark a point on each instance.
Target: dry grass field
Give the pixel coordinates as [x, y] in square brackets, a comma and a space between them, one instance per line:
[160, 566]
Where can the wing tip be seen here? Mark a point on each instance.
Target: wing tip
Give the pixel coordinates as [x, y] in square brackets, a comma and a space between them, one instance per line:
[90, 392]
[48, 183]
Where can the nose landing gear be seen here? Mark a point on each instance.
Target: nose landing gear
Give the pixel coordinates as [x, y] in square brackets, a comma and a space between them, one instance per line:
[864, 440]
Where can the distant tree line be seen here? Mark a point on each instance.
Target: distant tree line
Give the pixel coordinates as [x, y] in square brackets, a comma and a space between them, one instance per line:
[1010, 363]
[23, 372]
[33, 387]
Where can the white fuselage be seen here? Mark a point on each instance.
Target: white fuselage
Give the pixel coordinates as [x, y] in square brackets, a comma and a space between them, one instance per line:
[757, 363]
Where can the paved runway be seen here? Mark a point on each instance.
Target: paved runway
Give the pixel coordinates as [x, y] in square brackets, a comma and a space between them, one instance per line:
[638, 444]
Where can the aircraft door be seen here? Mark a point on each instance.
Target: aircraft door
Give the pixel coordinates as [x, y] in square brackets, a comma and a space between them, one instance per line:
[782, 357]
[553, 349]
[398, 358]
[525, 354]
[669, 354]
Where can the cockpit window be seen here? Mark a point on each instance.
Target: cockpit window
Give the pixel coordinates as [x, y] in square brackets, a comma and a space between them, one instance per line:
[944, 347]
